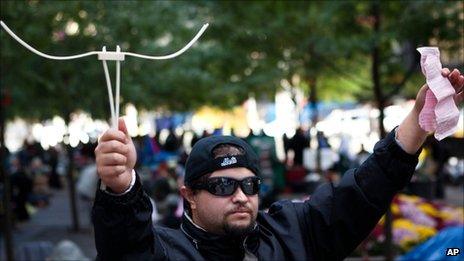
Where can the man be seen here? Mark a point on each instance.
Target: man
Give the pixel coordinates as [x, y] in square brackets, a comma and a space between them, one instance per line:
[222, 221]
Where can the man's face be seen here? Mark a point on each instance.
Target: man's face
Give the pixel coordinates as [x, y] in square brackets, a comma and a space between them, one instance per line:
[234, 214]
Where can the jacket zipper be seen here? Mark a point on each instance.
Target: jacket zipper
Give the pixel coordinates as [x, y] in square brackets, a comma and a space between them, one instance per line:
[245, 247]
[195, 242]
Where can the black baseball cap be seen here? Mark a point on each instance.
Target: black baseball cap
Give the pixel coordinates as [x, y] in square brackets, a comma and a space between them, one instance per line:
[201, 160]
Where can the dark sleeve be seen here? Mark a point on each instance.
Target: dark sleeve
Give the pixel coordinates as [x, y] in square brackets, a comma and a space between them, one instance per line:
[339, 217]
[123, 227]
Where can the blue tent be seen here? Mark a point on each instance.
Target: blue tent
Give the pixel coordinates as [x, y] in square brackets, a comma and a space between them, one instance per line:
[436, 248]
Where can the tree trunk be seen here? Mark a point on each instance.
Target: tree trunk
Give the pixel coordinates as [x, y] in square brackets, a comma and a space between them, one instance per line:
[314, 117]
[70, 153]
[72, 190]
[380, 100]
[313, 100]
[71, 186]
[6, 213]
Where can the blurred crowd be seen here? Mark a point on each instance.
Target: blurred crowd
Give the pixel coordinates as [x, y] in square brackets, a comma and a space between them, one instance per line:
[35, 172]
[307, 161]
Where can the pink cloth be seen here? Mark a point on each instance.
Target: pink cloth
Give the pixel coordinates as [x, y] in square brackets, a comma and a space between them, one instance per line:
[440, 113]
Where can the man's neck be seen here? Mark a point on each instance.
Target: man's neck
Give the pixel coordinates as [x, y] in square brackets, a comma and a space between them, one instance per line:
[191, 221]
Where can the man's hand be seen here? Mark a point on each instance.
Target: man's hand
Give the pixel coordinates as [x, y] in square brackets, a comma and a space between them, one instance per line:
[410, 134]
[116, 157]
[457, 81]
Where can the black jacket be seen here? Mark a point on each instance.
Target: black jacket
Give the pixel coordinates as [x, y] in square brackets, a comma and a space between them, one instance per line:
[328, 226]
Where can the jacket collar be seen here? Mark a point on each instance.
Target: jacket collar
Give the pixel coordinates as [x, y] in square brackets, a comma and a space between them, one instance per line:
[219, 247]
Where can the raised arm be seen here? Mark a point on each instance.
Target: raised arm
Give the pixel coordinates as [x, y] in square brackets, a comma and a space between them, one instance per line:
[121, 213]
[339, 217]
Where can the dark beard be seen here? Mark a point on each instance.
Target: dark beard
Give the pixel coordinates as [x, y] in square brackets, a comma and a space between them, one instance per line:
[234, 231]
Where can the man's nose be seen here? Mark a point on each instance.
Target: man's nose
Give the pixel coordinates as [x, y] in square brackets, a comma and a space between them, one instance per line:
[239, 196]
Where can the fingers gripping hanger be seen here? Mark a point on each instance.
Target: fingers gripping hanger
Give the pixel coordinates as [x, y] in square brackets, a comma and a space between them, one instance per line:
[104, 56]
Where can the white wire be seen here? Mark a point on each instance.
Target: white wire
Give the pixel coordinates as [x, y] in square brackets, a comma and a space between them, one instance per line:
[165, 57]
[32, 49]
[114, 106]
[118, 80]
[110, 92]
[170, 56]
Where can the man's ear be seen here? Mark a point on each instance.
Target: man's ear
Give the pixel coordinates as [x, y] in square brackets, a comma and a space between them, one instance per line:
[188, 195]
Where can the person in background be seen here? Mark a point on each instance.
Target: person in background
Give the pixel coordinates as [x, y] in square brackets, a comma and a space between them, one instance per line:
[298, 143]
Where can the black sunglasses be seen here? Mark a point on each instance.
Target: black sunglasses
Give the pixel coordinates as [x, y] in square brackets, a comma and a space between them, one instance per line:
[224, 186]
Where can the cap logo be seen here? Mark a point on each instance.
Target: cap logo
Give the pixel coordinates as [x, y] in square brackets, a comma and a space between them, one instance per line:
[228, 161]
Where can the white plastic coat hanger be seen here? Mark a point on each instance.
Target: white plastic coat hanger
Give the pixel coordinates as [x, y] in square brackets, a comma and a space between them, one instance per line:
[117, 56]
